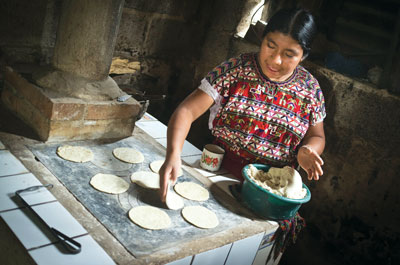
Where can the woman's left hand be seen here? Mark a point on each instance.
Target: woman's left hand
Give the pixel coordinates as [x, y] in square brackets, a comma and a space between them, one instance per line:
[310, 161]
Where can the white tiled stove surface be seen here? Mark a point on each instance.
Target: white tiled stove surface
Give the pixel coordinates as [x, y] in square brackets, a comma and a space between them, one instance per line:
[147, 117]
[187, 150]
[224, 182]
[32, 233]
[10, 165]
[91, 254]
[155, 129]
[216, 256]
[10, 184]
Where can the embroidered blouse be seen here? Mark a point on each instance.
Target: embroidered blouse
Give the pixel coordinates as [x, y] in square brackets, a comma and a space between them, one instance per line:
[260, 120]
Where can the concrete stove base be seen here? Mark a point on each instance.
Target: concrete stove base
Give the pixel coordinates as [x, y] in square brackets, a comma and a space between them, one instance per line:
[60, 118]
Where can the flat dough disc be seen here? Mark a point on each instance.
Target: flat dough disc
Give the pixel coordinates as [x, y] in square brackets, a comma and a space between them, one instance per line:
[128, 155]
[200, 216]
[77, 154]
[172, 200]
[109, 183]
[146, 179]
[192, 191]
[149, 217]
[156, 165]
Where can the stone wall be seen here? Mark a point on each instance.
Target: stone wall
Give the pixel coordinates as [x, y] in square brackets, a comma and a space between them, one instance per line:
[355, 205]
[176, 43]
[28, 30]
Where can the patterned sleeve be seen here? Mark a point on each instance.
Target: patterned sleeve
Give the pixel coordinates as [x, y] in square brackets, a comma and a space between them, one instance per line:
[220, 78]
[318, 112]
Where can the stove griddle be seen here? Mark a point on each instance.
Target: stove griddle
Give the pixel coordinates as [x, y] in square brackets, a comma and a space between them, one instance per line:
[112, 210]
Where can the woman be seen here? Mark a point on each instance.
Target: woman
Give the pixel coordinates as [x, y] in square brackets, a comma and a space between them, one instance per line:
[264, 107]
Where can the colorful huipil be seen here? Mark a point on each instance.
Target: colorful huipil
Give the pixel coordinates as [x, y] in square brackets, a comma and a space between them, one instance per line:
[258, 119]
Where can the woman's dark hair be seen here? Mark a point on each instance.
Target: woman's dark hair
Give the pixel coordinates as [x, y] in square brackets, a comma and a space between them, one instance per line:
[295, 22]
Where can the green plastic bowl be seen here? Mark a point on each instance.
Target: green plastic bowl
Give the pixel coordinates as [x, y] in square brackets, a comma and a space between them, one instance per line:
[266, 204]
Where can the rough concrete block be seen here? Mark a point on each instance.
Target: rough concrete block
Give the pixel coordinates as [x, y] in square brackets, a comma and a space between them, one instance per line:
[132, 31]
[174, 8]
[94, 129]
[67, 118]
[68, 111]
[9, 98]
[110, 110]
[166, 36]
[29, 91]
[227, 15]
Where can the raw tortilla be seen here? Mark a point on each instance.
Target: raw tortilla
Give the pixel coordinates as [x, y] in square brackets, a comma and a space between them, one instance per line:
[156, 165]
[149, 217]
[200, 216]
[109, 183]
[78, 154]
[192, 191]
[146, 179]
[172, 200]
[128, 155]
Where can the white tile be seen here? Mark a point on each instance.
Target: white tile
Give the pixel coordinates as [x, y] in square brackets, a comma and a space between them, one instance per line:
[9, 185]
[224, 182]
[155, 129]
[262, 256]
[190, 150]
[244, 251]
[59, 218]
[187, 150]
[28, 229]
[147, 117]
[10, 165]
[265, 249]
[215, 256]
[32, 233]
[184, 261]
[91, 253]
[193, 161]
[2, 146]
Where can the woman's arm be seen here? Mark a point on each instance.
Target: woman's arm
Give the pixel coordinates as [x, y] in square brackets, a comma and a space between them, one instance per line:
[197, 103]
[313, 145]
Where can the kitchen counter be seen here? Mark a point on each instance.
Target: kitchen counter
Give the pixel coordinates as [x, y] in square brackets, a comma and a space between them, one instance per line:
[226, 245]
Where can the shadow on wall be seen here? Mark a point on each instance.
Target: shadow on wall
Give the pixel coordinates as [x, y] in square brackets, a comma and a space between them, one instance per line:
[354, 212]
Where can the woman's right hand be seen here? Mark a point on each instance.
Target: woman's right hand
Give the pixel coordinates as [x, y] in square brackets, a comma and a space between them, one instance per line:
[169, 172]
[189, 110]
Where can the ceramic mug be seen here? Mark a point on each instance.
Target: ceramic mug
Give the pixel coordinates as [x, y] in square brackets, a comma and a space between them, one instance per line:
[211, 157]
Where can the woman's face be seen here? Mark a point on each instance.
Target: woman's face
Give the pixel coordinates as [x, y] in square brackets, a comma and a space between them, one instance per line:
[279, 56]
